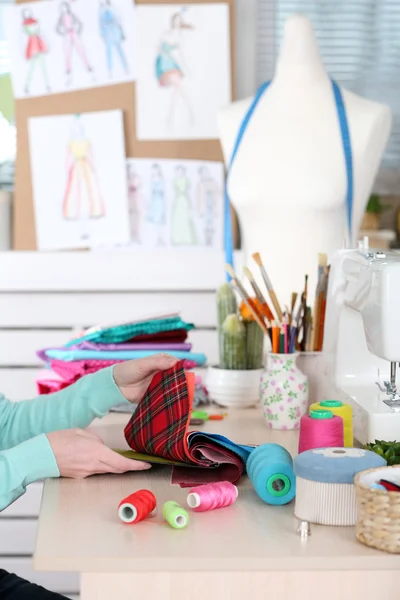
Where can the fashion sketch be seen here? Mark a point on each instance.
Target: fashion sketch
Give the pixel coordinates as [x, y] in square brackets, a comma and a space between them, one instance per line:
[183, 231]
[82, 197]
[134, 197]
[207, 203]
[171, 69]
[113, 35]
[35, 51]
[70, 28]
[156, 210]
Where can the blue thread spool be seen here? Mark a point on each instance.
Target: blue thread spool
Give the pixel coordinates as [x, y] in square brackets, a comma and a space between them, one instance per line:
[270, 469]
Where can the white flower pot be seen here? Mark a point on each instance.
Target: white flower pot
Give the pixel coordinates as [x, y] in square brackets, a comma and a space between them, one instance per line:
[236, 389]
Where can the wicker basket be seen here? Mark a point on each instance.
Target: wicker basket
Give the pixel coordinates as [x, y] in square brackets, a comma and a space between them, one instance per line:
[378, 521]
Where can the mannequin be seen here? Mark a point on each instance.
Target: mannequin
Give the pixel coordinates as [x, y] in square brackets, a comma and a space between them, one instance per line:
[288, 182]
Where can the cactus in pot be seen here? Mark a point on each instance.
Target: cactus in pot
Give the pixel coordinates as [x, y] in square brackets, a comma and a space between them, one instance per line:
[233, 340]
[254, 345]
[235, 381]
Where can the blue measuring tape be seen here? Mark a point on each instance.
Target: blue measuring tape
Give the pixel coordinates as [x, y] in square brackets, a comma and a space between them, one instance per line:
[346, 142]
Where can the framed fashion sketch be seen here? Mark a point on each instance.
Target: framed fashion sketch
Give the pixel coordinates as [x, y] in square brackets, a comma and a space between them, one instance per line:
[110, 96]
[184, 70]
[85, 202]
[59, 47]
[175, 204]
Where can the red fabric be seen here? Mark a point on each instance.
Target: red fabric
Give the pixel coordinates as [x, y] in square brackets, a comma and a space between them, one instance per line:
[179, 336]
[159, 427]
[50, 386]
[160, 424]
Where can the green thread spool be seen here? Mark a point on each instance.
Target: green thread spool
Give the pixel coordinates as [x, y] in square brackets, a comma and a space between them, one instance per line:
[176, 516]
[321, 414]
[331, 403]
[278, 485]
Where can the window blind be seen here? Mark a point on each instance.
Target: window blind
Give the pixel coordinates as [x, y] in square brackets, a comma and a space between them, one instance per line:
[359, 41]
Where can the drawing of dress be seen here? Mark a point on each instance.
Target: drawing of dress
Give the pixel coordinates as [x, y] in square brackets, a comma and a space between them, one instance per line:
[208, 206]
[36, 50]
[134, 205]
[156, 213]
[82, 195]
[70, 27]
[182, 227]
[167, 68]
[113, 36]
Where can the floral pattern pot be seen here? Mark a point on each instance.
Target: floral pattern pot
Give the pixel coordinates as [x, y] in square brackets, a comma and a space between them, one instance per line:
[283, 392]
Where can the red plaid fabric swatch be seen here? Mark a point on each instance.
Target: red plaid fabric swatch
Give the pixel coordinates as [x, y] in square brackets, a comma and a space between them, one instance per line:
[159, 425]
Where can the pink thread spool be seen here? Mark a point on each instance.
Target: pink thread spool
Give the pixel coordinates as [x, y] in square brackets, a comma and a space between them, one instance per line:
[321, 429]
[212, 495]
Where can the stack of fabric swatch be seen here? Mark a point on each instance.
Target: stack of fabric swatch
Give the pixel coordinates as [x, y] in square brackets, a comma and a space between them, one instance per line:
[106, 345]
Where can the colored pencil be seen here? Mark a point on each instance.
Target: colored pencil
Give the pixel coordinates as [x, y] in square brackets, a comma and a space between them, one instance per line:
[275, 337]
[282, 340]
[286, 344]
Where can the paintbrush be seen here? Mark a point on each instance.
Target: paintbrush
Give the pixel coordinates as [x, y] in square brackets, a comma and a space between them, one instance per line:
[247, 300]
[259, 294]
[292, 306]
[267, 281]
[315, 334]
[324, 292]
[304, 311]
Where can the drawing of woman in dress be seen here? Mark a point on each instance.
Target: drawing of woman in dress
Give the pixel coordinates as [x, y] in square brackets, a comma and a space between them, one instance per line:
[36, 49]
[170, 67]
[113, 35]
[207, 198]
[156, 211]
[183, 232]
[70, 28]
[82, 197]
[134, 197]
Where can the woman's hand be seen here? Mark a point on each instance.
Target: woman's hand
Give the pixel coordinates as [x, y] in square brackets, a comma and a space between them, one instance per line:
[134, 376]
[81, 453]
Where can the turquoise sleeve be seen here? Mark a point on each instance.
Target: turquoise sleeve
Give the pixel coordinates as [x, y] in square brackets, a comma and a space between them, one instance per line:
[25, 451]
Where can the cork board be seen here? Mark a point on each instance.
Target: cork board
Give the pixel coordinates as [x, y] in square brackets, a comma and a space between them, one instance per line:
[101, 98]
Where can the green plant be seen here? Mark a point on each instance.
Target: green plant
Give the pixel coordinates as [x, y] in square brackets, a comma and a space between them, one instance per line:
[254, 345]
[233, 339]
[390, 451]
[375, 205]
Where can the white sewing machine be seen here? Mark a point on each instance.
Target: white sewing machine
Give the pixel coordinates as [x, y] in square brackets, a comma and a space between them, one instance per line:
[362, 339]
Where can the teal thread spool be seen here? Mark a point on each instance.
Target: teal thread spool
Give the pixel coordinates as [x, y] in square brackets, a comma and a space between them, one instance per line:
[270, 469]
[175, 515]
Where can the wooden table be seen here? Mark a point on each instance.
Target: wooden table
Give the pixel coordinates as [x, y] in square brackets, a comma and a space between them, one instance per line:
[249, 551]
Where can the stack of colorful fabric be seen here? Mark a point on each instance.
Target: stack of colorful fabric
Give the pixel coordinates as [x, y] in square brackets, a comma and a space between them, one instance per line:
[106, 345]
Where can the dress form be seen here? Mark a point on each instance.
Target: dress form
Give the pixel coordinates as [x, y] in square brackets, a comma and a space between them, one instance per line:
[288, 182]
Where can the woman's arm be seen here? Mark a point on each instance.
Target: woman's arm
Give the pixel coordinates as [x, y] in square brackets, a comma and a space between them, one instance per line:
[30, 461]
[76, 406]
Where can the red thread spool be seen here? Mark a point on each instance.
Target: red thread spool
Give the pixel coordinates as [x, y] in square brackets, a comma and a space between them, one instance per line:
[321, 429]
[212, 495]
[137, 506]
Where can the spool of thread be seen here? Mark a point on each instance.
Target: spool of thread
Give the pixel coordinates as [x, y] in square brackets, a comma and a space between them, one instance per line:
[320, 429]
[341, 410]
[175, 515]
[270, 469]
[212, 496]
[137, 506]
